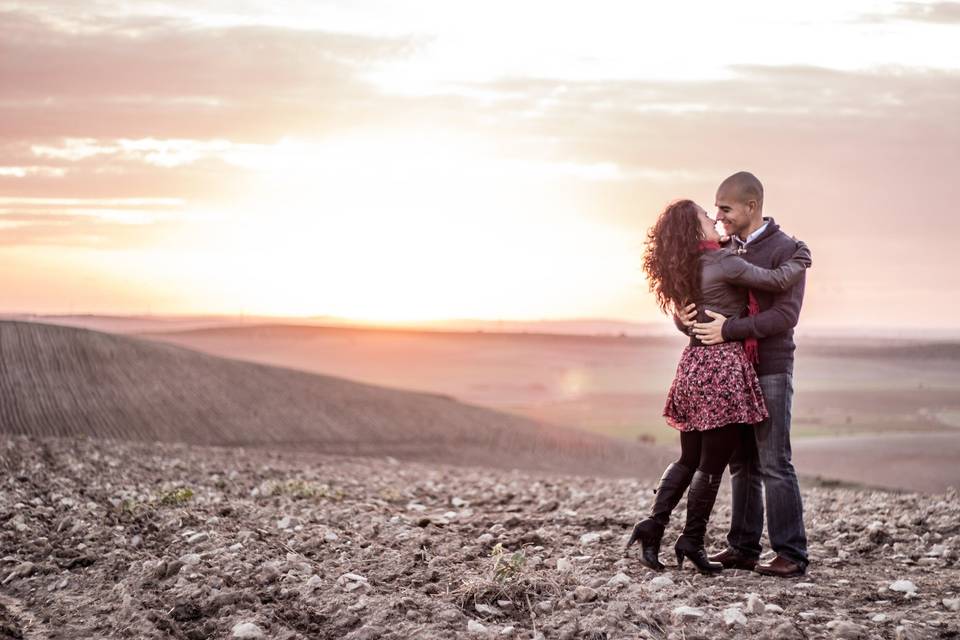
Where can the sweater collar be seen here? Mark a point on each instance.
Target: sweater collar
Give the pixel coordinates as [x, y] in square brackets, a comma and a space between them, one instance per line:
[768, 228]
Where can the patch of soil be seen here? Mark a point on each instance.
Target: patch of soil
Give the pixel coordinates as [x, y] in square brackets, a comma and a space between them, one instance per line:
[115, 539]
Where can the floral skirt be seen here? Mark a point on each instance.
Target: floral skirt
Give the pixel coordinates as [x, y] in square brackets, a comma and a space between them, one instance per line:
[714, 386]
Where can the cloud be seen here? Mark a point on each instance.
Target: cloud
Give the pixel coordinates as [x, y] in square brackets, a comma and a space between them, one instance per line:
[168, 78]
[928, 12]
[152, 107]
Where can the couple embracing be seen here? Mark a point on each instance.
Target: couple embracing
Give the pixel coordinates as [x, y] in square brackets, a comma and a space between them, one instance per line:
[732, 394]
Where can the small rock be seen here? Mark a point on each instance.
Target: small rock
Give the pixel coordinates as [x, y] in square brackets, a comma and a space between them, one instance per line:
[619, 580]
[660, 582]
[330, 536]
[450, 615]
[366, 632]
[755, 605]
[224, 599]
[198, 538]
[190, 559]
[352, 582]
[564, 565]
[805, 585]
[684, 613]
[246, 630]
[590, 538]
[903, 586]
[773, 608]
[488, 610]
[787, 631]
[584, 594]
[880, 617]
[475, 627]
[846, 629]
[877, 533]
[544, 607]
[547, 507]
[952, 604]
[458, 502]
[733, 616]
[485, 538]
[22, 570]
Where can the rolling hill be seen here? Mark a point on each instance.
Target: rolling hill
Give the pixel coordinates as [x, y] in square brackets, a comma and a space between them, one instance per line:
[70, 382]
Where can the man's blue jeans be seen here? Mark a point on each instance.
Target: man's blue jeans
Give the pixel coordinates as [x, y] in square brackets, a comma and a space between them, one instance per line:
[761, 471]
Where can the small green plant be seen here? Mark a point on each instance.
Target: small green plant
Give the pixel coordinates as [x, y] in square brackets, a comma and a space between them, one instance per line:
[130, 506]
[506, 566]
[176, 497]
[301, 489]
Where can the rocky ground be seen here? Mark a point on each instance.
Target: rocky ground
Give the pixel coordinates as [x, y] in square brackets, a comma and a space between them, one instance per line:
[104, 539]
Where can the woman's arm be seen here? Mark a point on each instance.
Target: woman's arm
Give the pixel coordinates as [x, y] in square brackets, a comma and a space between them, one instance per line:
[738, 271]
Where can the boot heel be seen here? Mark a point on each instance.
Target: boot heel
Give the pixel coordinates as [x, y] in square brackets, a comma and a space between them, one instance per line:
[679, 559]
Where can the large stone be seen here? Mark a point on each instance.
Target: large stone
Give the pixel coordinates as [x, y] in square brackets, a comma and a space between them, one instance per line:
[246, 630]
[619, 580]
[846, 629]
[584, 594]
[755, 605]
[734, 616]
[590, 538]
[475, 627]
[660, 582]
[903, 586]
[685, 613]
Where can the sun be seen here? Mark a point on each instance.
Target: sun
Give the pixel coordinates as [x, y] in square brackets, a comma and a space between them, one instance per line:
[405, 227]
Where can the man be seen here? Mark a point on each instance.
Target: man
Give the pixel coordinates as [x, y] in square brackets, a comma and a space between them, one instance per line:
[762, 464]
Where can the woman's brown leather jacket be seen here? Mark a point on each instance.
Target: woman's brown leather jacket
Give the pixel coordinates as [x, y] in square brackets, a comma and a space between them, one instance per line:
[725, 278]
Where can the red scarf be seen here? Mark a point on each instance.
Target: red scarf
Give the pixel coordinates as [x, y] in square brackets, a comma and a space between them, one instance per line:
[750, 345]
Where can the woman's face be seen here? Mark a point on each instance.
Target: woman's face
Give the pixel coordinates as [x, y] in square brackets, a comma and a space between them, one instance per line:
[708, 226]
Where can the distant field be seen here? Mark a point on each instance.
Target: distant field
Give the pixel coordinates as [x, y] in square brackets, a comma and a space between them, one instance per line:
[615, 386]
[883, 414]
[69, 382]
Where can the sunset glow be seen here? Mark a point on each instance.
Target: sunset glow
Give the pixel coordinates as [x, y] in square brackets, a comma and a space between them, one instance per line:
[426, 160]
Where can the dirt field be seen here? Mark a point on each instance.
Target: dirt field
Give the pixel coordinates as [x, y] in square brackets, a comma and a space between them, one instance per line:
[127, 540]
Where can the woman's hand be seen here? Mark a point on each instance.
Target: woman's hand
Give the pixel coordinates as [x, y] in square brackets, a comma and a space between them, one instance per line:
[687, 316]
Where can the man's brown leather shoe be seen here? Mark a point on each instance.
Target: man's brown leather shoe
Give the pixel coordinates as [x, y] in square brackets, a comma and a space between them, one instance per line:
[733, 559]
[780, 567]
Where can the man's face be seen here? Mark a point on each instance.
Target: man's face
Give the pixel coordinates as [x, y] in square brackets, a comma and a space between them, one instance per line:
[731, 213]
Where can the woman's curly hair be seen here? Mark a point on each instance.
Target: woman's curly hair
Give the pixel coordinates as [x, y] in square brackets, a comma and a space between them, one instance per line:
[671, 257]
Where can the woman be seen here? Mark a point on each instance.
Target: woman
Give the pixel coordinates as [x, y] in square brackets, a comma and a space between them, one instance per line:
[715, 389]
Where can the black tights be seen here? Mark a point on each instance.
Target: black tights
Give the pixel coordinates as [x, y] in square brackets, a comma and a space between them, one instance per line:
[710, 450]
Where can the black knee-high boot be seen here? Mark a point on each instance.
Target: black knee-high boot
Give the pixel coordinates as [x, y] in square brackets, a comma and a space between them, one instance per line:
[649, 531]
[700, 500]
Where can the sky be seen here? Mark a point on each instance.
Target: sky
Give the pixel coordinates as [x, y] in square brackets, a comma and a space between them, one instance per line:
[421, 160]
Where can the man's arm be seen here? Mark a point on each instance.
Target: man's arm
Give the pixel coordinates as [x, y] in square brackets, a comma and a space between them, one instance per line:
[783, 315]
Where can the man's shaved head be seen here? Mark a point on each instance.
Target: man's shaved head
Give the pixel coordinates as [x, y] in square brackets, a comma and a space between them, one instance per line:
[740, 204]
[743, 187]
